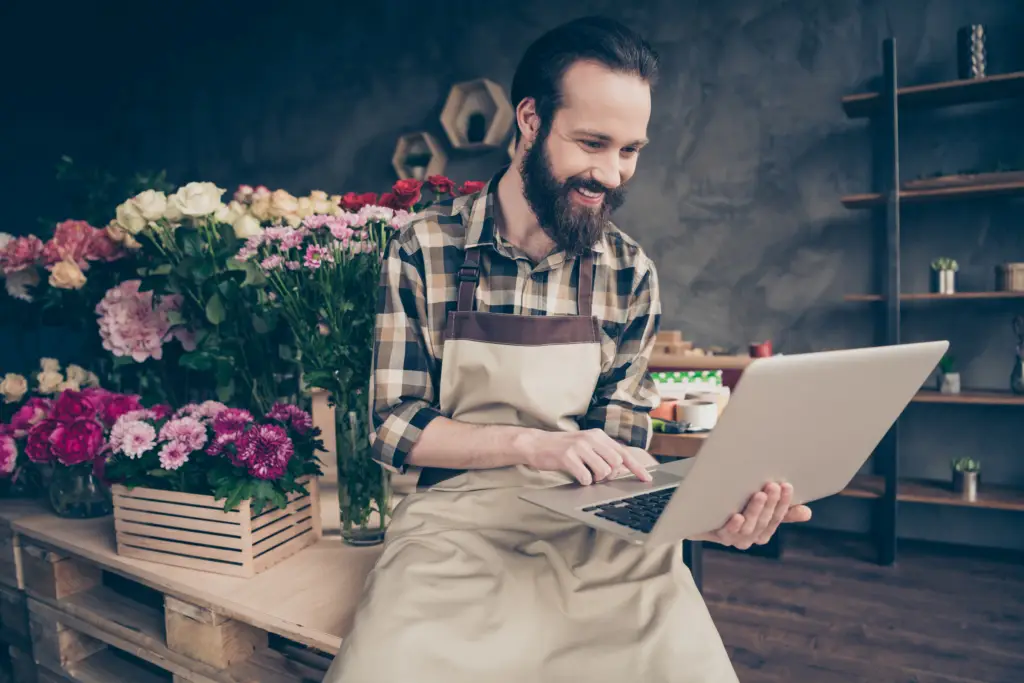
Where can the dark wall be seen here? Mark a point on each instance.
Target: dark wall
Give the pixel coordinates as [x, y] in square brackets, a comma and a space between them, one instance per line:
[738, 197]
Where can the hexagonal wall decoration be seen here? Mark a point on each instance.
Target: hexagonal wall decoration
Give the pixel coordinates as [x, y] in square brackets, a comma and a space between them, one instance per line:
[418, 155]
[476, 115]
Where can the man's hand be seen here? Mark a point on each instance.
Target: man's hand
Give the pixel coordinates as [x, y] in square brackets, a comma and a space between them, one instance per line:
[765, 511]
[589, 456]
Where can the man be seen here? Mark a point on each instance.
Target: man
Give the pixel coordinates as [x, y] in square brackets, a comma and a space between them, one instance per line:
[512, 345]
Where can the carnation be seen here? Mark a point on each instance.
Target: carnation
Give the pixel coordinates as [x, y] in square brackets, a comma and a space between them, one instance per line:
[173, 455]
[132, 437]
[299, 419]
[185, 430]
[131, 325]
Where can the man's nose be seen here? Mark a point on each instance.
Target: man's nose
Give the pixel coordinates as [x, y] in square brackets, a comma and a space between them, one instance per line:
[608, 173]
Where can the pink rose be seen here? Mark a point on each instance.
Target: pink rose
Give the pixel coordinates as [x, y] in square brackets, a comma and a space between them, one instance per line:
[72, 405]
[77, 442]
[37, 445]
[8, 454]
[70, 242]
[34, 410]
[20, 253]
[161, 411]
[117, 405]
[101, 248]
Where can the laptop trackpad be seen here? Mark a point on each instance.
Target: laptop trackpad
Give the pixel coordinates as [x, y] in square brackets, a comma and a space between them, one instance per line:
[680, 467]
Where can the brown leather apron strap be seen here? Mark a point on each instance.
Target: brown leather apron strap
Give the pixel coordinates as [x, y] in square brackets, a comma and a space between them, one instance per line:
[468, 276]
[585, 287]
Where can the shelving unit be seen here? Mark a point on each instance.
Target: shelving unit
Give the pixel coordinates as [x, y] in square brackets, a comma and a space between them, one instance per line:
[418, 155]
[885, 488]
[486, 101]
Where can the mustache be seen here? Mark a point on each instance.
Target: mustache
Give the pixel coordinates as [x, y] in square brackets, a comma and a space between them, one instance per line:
[590, 185]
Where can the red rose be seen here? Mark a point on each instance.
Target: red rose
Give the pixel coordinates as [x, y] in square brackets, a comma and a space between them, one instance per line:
[441, 184]
[471, 186]
[37, 445]
[351, 201]
[407, 192]
[77, 442]
[389, 201]
[34, 410]
[161, 410]
[72, 405]
[117, 405]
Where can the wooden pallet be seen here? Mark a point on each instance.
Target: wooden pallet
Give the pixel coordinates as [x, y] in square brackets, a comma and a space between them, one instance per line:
[94, 626]
[17, 663]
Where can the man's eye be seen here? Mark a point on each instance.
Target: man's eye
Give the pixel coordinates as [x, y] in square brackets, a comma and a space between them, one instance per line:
[592, 144]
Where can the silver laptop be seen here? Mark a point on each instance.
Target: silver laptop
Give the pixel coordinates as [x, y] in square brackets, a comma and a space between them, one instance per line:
[809, 419]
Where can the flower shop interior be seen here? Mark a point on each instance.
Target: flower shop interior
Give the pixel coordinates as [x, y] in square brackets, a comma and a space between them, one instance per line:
[198, 196]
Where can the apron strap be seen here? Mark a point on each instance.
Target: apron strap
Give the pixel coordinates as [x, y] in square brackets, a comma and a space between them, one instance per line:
[469, 275]
[585, 286]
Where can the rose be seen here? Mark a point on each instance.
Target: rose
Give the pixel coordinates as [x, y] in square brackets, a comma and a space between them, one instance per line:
[117, 233]
[72, 405]
[130, 218]
[247, 226]
[471, 186]
[229, 213]
[77, 374]
[321, 203]
[243, 194]
[352, 201]
[37, 445]
[196, 199]
[67, 275]
[103, 247]
[48, 381]
[13, 387]
[151, 204]
[70, 242]
[441, 184]
[77, 442]
[260, 207]
[34, 410]
[8, 453]
[49, 364]
[407, 192]
[117, 405]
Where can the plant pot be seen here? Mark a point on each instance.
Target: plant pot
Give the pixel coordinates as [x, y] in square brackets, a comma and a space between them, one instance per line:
[364, 491]
[966, 484]
[944, 281]
[77, 492]
[949, 382]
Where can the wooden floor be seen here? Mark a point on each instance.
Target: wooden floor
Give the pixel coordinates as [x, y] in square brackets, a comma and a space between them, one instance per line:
[825, 613]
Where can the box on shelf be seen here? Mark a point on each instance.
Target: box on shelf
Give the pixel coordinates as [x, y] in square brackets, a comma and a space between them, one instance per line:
[677, 384]
[1010, 277]
[194, 531]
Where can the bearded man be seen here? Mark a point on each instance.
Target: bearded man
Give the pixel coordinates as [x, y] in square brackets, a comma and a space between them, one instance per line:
[512, 344]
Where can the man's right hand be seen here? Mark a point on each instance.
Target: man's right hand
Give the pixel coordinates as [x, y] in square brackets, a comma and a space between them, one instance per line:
[589, 455]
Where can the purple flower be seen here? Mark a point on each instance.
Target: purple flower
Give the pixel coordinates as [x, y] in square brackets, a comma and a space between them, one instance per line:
[300, 420]
[265, 451]
[231, 421]
[187, 431]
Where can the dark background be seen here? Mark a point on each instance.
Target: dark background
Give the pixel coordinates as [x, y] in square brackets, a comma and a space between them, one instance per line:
[738, 197]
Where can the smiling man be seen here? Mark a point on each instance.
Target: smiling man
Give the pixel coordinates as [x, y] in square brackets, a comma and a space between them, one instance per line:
[513, 337]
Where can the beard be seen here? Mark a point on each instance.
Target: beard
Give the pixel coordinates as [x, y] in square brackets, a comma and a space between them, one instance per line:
[572, 227]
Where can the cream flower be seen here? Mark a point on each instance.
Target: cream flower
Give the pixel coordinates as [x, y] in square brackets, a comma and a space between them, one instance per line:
[49, 381]
[229, 213]
[197, 199]
[5, 237]
[19, 282]
[152, 204]
[283, 204]
[260, 207]
[130, 218]
[68, 384]
[121, 236]
[320, 201]
[49, 364]
[247, 226]
[92, 380]
[13, 387]
[77, 374]
[67, 275]
[305, 207]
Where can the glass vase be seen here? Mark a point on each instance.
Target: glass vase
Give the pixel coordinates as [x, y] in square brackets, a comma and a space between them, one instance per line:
[77, 492]
[364, 493]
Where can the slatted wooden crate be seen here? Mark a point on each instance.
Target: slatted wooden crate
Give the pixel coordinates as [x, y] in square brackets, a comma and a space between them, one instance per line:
[194, 531]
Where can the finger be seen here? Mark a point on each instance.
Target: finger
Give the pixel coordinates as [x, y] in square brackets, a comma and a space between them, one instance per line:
[730, 530]
[798, 513]
[574, 465]
[595, 463]
[618, 454]
[634, 466]
[771, 505]
[753, 513]
[778, 515]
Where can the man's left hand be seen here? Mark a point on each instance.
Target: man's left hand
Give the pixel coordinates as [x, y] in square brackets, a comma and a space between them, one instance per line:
[765, 511]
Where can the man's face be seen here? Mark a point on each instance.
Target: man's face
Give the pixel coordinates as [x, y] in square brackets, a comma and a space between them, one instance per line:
[575, 170]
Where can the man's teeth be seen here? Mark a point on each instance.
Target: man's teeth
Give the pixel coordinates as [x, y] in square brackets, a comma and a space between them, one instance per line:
[589, 193]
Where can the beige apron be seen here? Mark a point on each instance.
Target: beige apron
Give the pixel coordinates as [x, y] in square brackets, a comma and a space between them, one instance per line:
[475, 585]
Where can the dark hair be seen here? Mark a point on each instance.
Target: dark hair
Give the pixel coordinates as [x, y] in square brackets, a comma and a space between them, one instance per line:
[604, 40]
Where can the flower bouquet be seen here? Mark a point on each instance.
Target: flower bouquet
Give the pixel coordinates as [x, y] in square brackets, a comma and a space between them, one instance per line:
[170, 472]
[322, 275]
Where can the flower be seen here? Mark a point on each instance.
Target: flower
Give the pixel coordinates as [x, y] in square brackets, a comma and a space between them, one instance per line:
[116, 405]
[18, 283]
[246, 226]
[231, 420]
[77, 442]
[264, 450]
[406, 192]
[49, 364]
[8, 453]
[67, 275]
[315, 255]
[196, 199]
[37, 445]
[21, 253]
[103, 247]
[441, 184]
[72, 405]
[70, 242]
[77, 374]
[13, 387]
[173, 455]
[129, 218]
[471, 186]
[130, 324]
[300, 420]
[132, 437]
[352, 201]
[185, 430]
[48, 382]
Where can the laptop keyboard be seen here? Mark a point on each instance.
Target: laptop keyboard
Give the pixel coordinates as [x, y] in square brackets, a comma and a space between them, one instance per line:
[638, 512]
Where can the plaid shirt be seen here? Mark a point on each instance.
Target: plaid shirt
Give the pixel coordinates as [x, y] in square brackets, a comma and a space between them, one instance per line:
[419, 287]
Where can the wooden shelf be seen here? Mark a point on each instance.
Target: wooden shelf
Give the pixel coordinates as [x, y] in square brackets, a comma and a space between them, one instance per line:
[694, 361]
[994, 187]
[990, 496]
[418, 155]
[942, 94]
[930, 296]
[480, 97]
[981, 398]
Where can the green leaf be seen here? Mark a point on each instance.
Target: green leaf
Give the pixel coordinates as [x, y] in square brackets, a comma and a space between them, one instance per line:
[215, 312]
[197, 360]
[175, 317]
[226, 392]
[240, 493]
[260, 325]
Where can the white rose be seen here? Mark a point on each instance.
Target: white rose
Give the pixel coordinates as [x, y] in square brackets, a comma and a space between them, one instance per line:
[77, 374]
[19, 282]
[13, 387]
[151, 204]
[121, 236]
[67, 275]
[283, 204]
[49, 364]
[321, 203]
[197, 199]
[243, 194]
[49, 381]
[247, 226]
[305, 207]
[173, 213]
[68, 384]
[260, 207]
[130, 218]
[229, 213]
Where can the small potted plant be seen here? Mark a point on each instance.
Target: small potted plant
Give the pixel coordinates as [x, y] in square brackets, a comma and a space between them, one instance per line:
[944, 275]
[949, 379]
[966, 472]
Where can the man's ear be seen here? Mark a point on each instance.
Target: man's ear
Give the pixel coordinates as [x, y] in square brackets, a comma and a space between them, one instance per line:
[528, 119]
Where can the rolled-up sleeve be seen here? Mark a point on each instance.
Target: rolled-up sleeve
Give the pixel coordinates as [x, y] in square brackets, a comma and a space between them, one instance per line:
[402, 389]
[626, 394]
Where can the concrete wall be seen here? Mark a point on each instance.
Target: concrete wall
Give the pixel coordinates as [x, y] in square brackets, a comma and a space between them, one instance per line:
[738, 197]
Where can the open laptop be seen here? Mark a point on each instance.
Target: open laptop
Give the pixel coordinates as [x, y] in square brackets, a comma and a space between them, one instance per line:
[809, 419]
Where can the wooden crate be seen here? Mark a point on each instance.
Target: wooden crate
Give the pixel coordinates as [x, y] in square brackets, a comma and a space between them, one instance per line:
[194, 531]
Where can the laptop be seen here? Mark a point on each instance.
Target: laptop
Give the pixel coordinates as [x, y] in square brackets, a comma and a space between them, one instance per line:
[809, 419]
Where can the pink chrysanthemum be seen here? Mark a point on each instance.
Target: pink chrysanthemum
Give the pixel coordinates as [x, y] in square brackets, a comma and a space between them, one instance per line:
[231, 420]
[187, 431]
[132, 437]
[272, 262]
[8, 453]
[131, 325]
[173, 455]
[317, 255]
[210, 409]
[265, 451]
